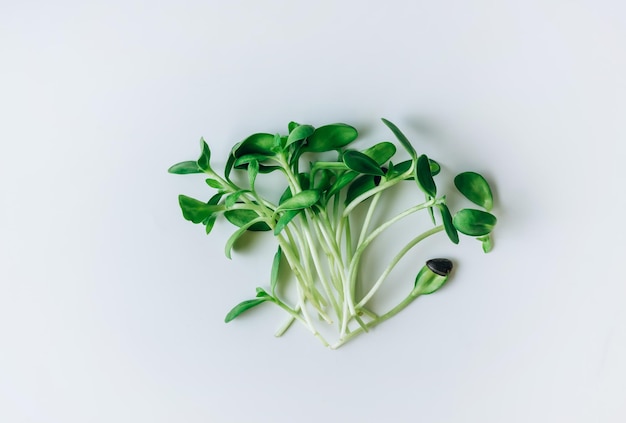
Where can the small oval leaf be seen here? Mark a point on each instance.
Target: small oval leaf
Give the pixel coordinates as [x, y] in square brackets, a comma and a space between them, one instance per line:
[301, 200]
[205, 157]
[299, 133]
[242, 217]
[284, 220]
[214, 183]
[402, 167]
[362, 163]
[260, 143]
[194, 210]
[381, 152]
[486, 242]
[476, 188]
[209, 222]
[446, 217]
[243, 307]
[275, 269]
[185, 168]
[253, 171]
[434, 167]
[330, 137]
[424, 177]
[231, 199]
[402, 138]
[474, 222]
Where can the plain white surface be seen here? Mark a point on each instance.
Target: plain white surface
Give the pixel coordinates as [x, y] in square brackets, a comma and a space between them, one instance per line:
[112, 306]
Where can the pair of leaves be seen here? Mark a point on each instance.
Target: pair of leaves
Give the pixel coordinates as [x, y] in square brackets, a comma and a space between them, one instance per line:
[261, 295]
[199, 166]
[470, 222]
[475, 222]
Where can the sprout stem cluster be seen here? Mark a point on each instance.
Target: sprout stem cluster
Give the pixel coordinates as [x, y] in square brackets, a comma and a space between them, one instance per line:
[313, 223]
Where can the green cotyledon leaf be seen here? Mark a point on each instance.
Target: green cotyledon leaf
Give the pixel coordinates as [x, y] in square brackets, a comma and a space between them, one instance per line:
[475, 188]
[244, 306]
[474, 222]
[301, 200]
[330, 137]
[360, 162]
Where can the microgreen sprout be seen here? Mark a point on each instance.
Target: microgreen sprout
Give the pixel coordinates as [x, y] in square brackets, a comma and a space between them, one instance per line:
[313, 224]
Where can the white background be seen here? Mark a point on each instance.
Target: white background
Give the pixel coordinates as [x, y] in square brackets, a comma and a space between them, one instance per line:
[112, 306]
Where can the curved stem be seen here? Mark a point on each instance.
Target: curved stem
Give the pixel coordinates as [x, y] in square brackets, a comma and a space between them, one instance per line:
[395, 261]
[352, 271]
[408, 300]
[368, 217]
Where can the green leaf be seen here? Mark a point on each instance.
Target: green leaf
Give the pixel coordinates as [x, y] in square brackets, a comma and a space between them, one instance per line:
[341, 182]
[304, 180]
[325, 180]
[292, 125]
[402, 167]
[268, 169]
[446, 217]
[261, 144]
[231, 199]
[476, 188]
[359, 162]
[185, 168]
[243, 307]
[195, 210]
[275, 269]
[299, 133]
[242, 217]
[239, 232]
[424, 177]
[242, 162]
[253, 171]
[402, 138]
[279, 142]
[260, 293]
[285, 195]
[209, 222]
[205, 157]
[474, 222]
[434, 167]
[214, 183]
[359, 186]
[301, 200]
[486, 242]
[284, 220]
[381, 152]
[230, 162]
[330, 137]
